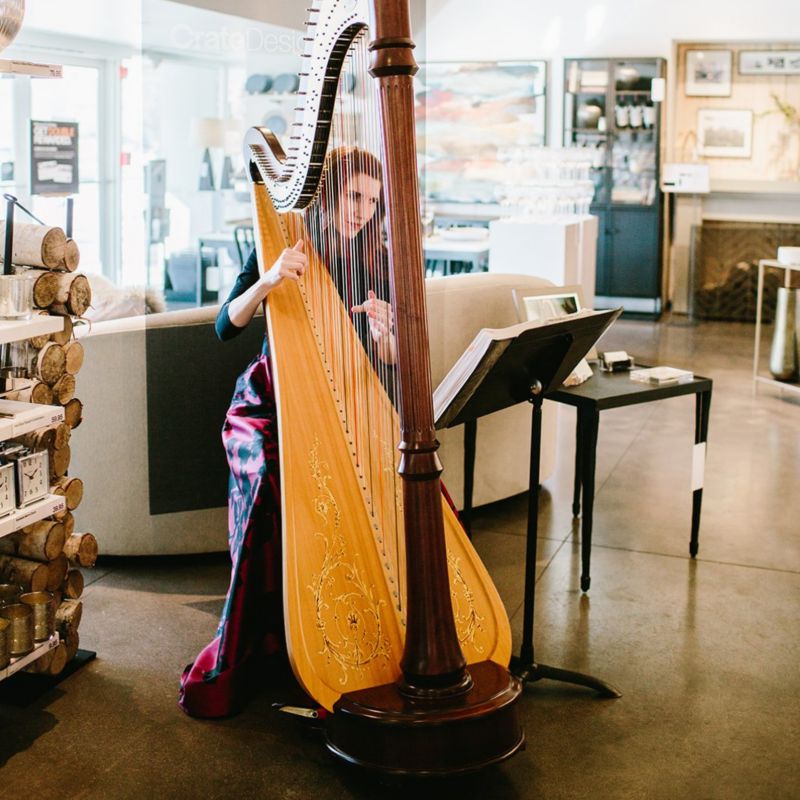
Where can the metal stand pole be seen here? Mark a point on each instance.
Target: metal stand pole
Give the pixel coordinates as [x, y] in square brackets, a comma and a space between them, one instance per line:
[525, 666]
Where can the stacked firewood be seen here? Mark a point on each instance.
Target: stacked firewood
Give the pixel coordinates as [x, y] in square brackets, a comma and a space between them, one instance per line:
[49, 555]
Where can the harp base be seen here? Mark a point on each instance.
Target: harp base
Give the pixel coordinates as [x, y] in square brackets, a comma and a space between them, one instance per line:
[379, 729]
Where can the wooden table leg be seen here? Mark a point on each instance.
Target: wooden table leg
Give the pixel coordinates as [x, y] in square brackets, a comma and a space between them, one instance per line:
[590, 426]
[702, 411]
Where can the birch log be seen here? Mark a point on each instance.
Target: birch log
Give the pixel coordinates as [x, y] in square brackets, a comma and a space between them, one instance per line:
[37, 392]
[73, 584]
[59, 462]
[63, 336]
[64, 388]
[45, 285]
[73, 413]
[72, 255]
[81, 550]
[73, 491]
[50, 363]
[31, 575]
[36, 245]
[44, 438]
[72, 640]
[68, 615]
[59, 659]
[42, 541]
[56, 572]
[74, 354]
[74, 295]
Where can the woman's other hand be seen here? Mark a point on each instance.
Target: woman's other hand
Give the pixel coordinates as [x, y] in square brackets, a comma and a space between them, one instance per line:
[291, 264]
[381, 325]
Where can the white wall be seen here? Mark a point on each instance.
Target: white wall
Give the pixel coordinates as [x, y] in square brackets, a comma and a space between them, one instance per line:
[513, 29]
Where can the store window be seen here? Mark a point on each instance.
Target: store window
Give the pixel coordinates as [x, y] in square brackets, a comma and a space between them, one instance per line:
[6, 135]
[75, 98]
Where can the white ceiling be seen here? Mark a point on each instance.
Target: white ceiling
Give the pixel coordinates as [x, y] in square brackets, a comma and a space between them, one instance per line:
[283, 13]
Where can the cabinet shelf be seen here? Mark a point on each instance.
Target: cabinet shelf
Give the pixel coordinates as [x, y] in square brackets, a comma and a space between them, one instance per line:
[629, 207]
[23, 661]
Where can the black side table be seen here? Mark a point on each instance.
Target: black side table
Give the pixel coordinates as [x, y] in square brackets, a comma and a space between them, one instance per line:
[614, 390]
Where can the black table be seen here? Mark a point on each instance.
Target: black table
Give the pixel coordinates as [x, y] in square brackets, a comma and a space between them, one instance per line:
[615, 390]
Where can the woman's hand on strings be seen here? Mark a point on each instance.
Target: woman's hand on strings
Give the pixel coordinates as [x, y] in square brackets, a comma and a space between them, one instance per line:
[291, 264]
[381, 324]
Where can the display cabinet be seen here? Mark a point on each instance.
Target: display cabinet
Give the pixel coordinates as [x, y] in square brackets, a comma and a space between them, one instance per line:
[610, 108]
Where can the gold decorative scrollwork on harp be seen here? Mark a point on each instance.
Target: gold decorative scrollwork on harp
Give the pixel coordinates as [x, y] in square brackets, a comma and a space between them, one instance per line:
[348, 617]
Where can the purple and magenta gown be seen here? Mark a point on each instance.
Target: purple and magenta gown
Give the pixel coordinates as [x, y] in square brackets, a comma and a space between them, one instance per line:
[250, 633]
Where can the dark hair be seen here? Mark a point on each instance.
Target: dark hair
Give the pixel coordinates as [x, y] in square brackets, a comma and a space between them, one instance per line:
[341, 164]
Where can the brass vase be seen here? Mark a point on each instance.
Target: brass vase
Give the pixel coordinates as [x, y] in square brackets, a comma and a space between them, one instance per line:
[783, 363]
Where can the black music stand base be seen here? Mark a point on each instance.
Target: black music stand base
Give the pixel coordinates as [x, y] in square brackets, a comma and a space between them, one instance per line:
[530, 672]
[525, 666]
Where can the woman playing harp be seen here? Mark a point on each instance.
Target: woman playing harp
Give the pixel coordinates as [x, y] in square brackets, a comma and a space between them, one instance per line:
[344, 224]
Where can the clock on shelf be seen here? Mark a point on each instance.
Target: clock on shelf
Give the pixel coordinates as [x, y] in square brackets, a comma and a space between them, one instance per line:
[33, 472]
[8, 499]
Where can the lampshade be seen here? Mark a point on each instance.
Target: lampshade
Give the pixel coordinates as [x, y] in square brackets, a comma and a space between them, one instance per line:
[11, 14]
[208, 132]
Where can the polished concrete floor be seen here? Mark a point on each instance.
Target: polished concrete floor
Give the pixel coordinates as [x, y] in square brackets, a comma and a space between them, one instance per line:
[705, 652]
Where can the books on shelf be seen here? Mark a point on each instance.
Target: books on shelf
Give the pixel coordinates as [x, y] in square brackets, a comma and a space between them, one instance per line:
[661, 376]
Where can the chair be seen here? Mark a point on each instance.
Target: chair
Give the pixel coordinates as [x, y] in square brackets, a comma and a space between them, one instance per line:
[245, 242]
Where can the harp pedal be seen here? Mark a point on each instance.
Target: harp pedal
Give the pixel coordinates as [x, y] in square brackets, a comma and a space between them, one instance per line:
[298, 711]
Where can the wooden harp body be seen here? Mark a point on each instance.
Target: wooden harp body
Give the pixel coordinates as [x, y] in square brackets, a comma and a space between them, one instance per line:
[392, 622]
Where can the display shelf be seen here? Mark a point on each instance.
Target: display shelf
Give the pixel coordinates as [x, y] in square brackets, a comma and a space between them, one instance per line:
[46, 507]
[34, 417]
[23, 661]
[30, 69]
[783, 385]
[627, 198]
[12, 330]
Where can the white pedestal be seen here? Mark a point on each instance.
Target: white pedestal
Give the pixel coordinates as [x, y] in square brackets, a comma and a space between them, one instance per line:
[561, 249]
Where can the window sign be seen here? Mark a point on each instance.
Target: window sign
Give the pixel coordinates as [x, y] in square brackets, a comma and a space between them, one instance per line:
[54, 157]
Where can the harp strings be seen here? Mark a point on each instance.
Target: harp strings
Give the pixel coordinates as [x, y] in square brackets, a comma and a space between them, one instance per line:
[348, 265]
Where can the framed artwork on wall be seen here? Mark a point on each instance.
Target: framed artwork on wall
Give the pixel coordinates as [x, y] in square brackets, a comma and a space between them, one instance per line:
[708, 73]
[725, 133]
[769, 62]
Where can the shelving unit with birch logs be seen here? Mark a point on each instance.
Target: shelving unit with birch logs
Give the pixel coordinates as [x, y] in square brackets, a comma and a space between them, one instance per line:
[47, 552]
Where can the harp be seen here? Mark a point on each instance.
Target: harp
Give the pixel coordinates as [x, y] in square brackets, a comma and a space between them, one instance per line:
[392, 622]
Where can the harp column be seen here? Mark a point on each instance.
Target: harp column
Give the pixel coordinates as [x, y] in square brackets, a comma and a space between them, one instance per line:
[433, 664]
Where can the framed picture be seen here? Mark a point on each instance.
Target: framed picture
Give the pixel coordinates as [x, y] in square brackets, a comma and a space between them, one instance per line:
[769, 62]
[552, 303]
[724, 133]
[708, 73]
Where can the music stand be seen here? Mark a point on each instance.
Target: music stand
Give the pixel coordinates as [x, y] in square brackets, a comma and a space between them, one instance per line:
[533, 365]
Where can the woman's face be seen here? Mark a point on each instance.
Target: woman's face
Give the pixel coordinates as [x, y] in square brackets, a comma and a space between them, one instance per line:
[357, 205]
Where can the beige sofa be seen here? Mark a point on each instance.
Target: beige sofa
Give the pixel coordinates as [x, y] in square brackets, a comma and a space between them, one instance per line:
[155, 390]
